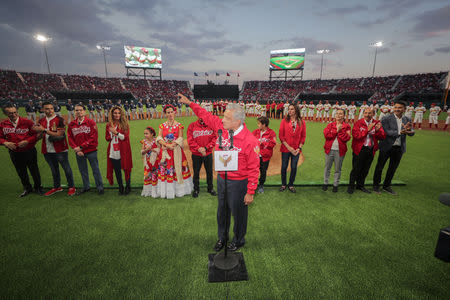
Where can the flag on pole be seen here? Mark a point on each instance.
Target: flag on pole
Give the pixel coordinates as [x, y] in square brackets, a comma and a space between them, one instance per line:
[238, 75]
[228, 74]
[206, 74]
[195, 74]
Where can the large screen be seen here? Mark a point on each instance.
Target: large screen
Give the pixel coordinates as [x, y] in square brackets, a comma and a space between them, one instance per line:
[287, 59]
[142, 57]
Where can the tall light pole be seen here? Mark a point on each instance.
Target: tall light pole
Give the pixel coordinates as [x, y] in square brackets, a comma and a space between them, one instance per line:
[104, 48]
[322, 51]
[376, 45]
[44, 39]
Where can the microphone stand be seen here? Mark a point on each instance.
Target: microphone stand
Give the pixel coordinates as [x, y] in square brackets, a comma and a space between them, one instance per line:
[225, 260]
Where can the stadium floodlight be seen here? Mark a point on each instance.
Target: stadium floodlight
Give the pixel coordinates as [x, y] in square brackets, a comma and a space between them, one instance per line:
[376, 45]
[44, 39]
[322, 51]
[104, 48]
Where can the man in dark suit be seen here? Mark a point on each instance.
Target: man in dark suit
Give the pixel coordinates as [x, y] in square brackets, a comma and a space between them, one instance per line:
[396, 126]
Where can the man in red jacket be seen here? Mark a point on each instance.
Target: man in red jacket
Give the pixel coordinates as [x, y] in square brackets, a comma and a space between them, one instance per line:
[83, 139]
[17, 135]
[241, 183]
[201, 140]
[337, 134]
[54, 147]
[366, 134]
[267, 140]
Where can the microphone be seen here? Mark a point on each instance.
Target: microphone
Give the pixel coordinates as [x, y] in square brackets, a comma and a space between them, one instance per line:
[231, 138]
[220, 138]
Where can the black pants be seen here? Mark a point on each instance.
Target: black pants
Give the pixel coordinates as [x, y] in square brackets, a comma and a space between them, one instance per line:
[236, 190]
[360, 167]
[118, 171]
[263, 166]
[197, 162]
[394, 155]
[24, 160]
[285, 157]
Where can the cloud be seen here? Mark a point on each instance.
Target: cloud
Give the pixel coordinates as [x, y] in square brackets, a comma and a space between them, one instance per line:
[432, 23]
[340, 11]
[445, 49]
[311, 44]
[429, 53]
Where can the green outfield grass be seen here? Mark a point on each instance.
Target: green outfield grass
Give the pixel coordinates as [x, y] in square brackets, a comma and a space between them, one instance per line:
[313, 244]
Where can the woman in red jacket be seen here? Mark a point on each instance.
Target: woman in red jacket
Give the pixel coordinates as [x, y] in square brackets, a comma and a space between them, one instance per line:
[119, 149]
[337, 134]
[292, 135]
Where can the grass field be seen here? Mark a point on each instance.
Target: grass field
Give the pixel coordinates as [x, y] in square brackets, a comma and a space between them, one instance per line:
[313, 244]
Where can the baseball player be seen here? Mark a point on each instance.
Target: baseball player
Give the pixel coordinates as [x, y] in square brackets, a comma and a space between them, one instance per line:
[418, 117]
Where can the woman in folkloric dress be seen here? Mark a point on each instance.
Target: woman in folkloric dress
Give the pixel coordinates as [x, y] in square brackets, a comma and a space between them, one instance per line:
[174, 176]
[150, 150]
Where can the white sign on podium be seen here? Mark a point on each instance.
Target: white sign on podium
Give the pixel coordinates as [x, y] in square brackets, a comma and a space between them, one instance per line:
[226, 160]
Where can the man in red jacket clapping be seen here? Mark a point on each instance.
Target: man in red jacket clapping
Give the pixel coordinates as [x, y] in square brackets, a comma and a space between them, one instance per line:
[201, 140]
[267, 140]
[366, 134]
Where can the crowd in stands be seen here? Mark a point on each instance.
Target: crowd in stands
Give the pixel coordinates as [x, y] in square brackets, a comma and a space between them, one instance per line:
[25, 86]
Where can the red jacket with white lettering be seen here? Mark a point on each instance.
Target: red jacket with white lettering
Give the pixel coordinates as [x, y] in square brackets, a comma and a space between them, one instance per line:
[330, 132]
[292, 137]
[244, 142]
[201, 135]
[126, 160]
[22, 132]
[55, 124]
[360, 132]
[267, 141]
[84, 135]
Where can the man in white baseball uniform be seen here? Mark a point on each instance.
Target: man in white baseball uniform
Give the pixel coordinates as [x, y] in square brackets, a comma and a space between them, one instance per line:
[385, 109]
[447, 121]
[351, 112]
[335, 107]
[418, 117]
[319, 109]
[326, 111]
[361, 109]
[409, 110]
[311, 111]
[344, 107]
[303, 108]
[435, 111]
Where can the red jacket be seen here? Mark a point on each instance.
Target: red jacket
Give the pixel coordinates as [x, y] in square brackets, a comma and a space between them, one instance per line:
[200, 135]
[330, 132]
[291, 137]
[126, 160]
[84, 135]
[23, 131]
[266, 142]
[280, 106]
[359, 134]
[273, 105]
[57, 123]
[244, 142]
[267, 107]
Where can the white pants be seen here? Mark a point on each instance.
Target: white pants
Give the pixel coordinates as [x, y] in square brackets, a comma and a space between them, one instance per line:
[447, 121]
[409, 115]
[333, 114]
[351, 116]
[311, 113]
[91, 114]
[382, 115]
[303, 113]
[418, 118]
[326, 114]
[319, 114]
[32, 116]
[433, 119]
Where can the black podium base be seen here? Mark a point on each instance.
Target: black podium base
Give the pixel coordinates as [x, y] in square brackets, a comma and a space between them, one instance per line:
[237, 273]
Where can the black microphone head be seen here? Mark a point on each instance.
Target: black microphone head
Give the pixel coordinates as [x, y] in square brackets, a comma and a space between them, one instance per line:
[444, 198]
[219, 131]
[231, 132]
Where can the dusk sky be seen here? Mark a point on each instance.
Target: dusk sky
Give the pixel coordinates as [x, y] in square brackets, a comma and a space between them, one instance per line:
[228, 36]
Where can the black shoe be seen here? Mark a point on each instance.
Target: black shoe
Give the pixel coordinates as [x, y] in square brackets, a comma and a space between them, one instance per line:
[195, 194]
[389, 190]
[24, 193]
[233, 247]
[39, 191]
[335, 189]
[364, 190]
[82, 191]
[127, 190]
[282, 188]
[212, 192]
[101, 192]
[376, 190]
[121, 190]
[292, 189]
[324, 187]
[219, 245]
[260, 189]
[350, 190]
